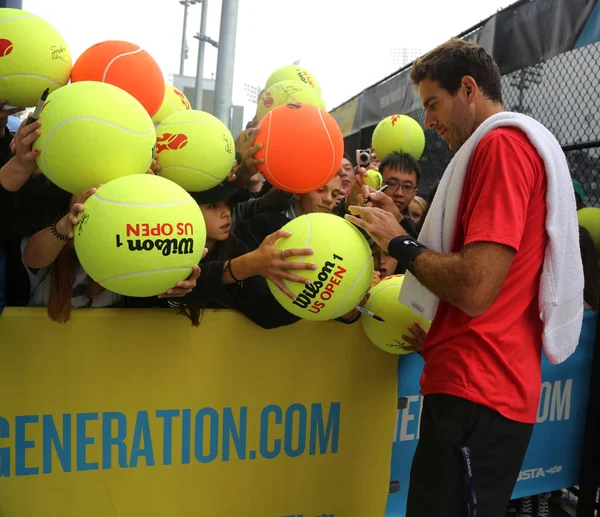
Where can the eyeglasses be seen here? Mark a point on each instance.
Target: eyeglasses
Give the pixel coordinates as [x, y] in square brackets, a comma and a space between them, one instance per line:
[393, 186]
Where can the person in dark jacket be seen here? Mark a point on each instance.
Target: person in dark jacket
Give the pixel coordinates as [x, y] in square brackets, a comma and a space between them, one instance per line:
[233, 276]
[255, 229]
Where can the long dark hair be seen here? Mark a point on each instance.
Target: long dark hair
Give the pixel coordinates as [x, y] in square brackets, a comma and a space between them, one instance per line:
[223, 251]
[61, 273]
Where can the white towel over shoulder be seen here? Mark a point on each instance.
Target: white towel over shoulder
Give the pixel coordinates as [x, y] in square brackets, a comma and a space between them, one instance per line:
[561, 286]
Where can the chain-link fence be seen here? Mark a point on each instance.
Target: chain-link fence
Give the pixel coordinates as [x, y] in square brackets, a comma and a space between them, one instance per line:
[564, 95]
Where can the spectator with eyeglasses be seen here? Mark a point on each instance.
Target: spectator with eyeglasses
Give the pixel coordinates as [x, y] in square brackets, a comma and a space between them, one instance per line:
[401, 173]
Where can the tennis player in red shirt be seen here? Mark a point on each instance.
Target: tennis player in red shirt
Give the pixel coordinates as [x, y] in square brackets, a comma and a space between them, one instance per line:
[482, 376]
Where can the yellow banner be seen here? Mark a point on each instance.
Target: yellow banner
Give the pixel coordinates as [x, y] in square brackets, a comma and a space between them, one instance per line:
[134, 413]
[345, 115]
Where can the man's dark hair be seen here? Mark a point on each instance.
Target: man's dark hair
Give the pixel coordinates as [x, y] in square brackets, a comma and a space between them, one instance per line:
[400, 162]
[451, 61]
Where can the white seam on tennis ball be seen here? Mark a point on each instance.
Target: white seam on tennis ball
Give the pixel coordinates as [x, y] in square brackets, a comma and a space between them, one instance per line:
[146, 205]
[72, 119]
[139, 49]
[190, 122]
[191, 169]
[138, 273]
[172, 102]
[33, 75]
[330, 141]
[349, 292]
[266, 162]
[408, 136]
[308, 237]
[25, 15]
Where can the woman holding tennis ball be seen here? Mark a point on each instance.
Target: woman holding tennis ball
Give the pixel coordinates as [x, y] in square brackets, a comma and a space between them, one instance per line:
[57, 279]
[233, 276]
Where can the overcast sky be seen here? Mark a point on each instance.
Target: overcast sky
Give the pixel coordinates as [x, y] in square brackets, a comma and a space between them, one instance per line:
[344, 43]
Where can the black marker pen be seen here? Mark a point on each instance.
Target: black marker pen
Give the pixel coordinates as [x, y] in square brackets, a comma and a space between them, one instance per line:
[38, 108]
[382, 189]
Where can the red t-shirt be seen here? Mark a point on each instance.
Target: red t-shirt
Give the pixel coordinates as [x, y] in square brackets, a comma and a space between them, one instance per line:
[495, 359]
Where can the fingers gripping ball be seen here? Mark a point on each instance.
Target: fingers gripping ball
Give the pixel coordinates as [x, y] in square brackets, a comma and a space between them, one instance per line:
[302, 148]
[383, 301]
[589, 218]
[140, 235]
[293, 73]
[344, 267]
[287, 92]
[125, 65]
[92, 133]
[33, 57]
[195, 150]
[173, 102]
[373, 179]
[399, 133]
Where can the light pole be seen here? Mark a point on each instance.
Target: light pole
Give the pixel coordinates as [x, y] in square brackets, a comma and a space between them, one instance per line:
[252, 92]
[202, 38]
[186, 4]
[225, 61]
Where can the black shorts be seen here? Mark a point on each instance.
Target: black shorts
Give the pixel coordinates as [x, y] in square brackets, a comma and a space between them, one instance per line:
[467, 460]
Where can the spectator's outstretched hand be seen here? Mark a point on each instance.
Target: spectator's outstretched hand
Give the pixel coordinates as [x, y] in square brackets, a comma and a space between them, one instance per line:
[417, 338]
[185, 286]
[24, 154]
[270, 262]
[155, 167]
[247, 150]
[66, 226]
[376, 278]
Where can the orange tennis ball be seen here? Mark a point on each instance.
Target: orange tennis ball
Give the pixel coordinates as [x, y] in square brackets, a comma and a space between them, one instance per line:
[125, 65]
[302, 147]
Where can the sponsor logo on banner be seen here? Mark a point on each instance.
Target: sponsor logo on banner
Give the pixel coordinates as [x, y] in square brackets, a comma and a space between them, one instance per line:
[165, 437]
[535, 473]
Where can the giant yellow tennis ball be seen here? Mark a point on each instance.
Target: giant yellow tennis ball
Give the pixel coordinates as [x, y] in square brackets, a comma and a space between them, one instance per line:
[589, 218]
[140, 235]
[33, 57]
[195, 150]
[92, 133]
[293, 73]
[174, 101]
[287, 92]
[344, 267]
[398, 133]
[373, 179]
[383, 302]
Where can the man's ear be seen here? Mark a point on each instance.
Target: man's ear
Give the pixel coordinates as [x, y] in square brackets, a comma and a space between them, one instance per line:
[470, 87]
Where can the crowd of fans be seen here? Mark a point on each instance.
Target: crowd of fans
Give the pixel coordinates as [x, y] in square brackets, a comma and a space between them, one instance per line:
[244, 217]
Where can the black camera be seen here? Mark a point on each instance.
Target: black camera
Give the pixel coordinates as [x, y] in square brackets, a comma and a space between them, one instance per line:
[363, 158]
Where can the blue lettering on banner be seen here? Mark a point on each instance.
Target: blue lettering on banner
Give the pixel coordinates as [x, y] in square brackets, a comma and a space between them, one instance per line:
[553, 457]
[70, 442]
[52, 440]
